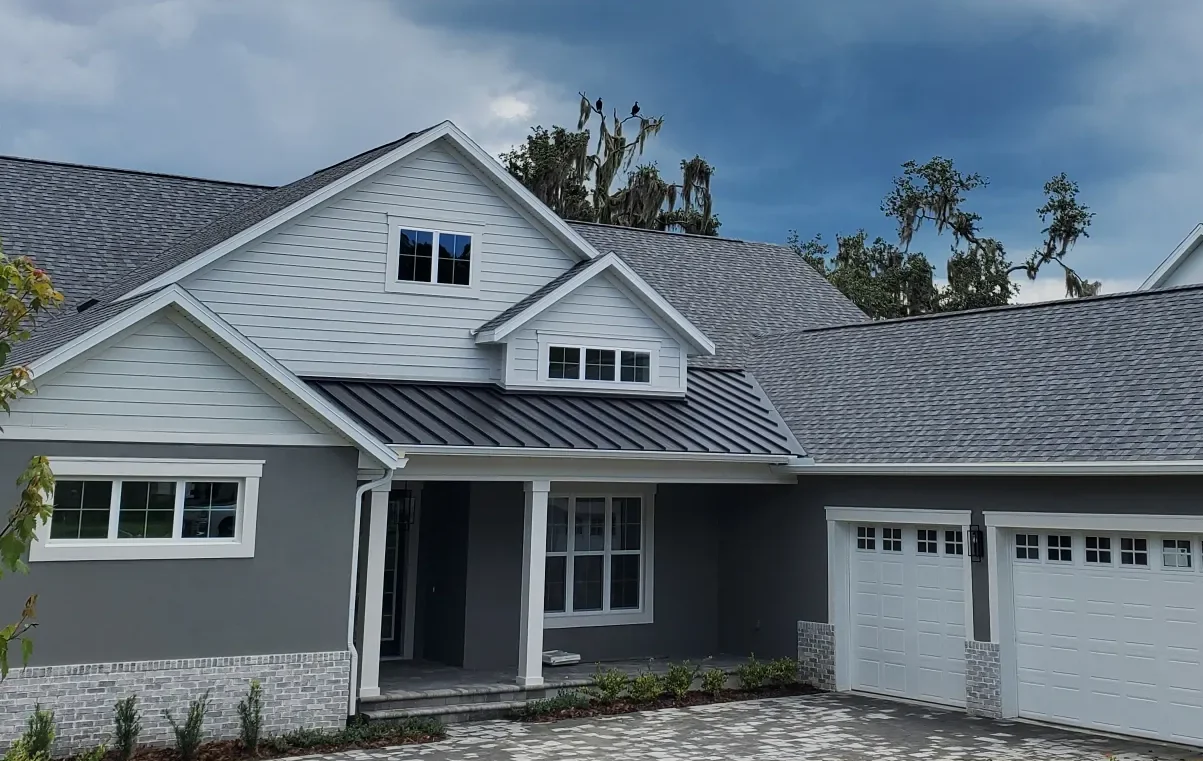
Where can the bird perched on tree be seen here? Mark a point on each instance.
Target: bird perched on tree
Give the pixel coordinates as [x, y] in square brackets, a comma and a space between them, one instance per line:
[635, 109]
[598, 105]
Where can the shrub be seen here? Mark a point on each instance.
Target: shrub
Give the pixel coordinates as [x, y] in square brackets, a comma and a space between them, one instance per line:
[96, 754]
[34, 744]
[565, 701]
[753, 674]
[714, 681]
[250, 717]
[783, 671]
[608, 685]
[275, 744]
[127, 727]
[680, 678]
[188, 736]
[306, 737]
[646, 687]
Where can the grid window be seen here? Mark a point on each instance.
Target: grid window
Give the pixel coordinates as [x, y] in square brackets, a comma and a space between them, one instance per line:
[1176, 553]
[147, 510]
[564, 362]
[891, 539]
[455, 259]
[1027, 546]
[1134, 551]
[594, 554]
[636, 367]
[416, 255]
[954, 542]
[1098, 550]
[1060, 548]
[866, 538]
[599, 364]
[210, 509]
[81, 509]
[135, 510]
[928, 541]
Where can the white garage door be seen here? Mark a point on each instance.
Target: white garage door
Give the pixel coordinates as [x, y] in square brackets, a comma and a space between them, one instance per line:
[1109, 632]
[908, 611]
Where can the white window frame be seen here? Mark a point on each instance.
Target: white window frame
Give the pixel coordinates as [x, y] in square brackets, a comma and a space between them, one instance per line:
[651, 348]
[433, 287]
[242, 545]
[644, 613]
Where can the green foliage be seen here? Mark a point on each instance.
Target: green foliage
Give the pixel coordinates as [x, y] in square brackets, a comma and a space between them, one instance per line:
[557, 166]
[714, 681]
[35, 742]
[250, 717]
[127, 727]
[646, 687]
[188, 736]
[565, 701]
[95, 754]
[680, 678]
[609, 684]
[752, 675]
[783, 671]
[306, 737]
[887, 280]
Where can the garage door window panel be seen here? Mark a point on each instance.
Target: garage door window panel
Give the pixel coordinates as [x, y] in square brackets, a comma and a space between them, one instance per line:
[1134, 551]
[1027, 547]
[1098, 550]
[954, 542]
[1176, 554]
[928, 541]
[1060, 548]
[891, 539]
[866, 538]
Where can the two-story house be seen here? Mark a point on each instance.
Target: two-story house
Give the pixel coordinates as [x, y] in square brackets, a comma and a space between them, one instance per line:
[397, 411]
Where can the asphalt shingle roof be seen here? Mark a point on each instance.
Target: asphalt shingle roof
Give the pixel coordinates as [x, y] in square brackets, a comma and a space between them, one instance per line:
[732, 290]
[1105, 378]
[539, 293]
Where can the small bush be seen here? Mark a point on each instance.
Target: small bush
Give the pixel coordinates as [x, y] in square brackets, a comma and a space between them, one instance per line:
[563, 702]
[646, 687]
[34, 743]
[127, 727]
[783, 671]
[275, 744]
[306, 737]
[188, 736]
[96, 754]
[753, 674]
[608, 685]
[714, 681]
[680, 678]
[250, 717]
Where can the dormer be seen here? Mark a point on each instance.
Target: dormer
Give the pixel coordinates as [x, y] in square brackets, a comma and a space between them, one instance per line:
[598, 327]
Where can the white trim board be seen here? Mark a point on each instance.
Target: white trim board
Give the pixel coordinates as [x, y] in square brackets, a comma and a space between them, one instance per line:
[1171, 262]
[1062, 468]
[1169, 524]
[436, 468]
[917, 517]
[201, 316]
[482, 160]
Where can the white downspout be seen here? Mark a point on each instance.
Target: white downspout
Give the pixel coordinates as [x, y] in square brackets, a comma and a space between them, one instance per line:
[354, 683]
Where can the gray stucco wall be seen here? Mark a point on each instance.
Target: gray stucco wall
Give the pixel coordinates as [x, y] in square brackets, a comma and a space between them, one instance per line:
[290, 598]
[687, 547]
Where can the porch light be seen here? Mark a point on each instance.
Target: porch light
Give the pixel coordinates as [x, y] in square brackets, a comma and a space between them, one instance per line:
[977, 543]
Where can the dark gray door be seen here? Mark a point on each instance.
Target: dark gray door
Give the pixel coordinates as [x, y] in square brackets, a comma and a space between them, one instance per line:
[442, 573]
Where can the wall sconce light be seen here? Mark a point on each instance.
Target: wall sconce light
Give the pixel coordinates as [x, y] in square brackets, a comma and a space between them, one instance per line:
[977, 544]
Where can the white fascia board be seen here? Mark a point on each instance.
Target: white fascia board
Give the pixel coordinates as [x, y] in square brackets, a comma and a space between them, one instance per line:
[899, 515]
[1100, 468]
[613, 263]
[1170, 524]
[1171, 262]
[240, 345]
[447, 130]
[590, 454]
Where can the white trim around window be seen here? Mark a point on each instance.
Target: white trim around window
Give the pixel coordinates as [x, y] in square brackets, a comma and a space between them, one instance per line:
[643, 614]
[651, 348]
[114, 473]
[393, 284]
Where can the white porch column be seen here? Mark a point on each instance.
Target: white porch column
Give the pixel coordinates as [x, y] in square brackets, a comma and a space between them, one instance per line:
[534, 554]
[373, 593]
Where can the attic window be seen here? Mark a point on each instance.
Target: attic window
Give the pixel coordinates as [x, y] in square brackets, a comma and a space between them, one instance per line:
[433, 259]
[602, 365]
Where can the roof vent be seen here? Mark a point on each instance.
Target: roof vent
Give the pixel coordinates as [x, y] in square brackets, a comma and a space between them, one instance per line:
[87, 305]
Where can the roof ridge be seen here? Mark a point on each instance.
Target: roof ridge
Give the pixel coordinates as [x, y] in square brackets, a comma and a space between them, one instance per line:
[675, 234]
[965, 313]
[140, 172]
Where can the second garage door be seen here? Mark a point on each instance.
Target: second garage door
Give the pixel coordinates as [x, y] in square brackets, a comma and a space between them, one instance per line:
[907, 587]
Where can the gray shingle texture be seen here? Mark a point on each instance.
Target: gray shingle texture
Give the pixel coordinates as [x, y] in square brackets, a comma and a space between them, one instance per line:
[1106, 378]
[539, 293]
[731, 290]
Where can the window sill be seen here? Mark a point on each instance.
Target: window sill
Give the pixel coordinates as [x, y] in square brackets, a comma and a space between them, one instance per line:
[148, 550]
[432, 289]
[582, 620]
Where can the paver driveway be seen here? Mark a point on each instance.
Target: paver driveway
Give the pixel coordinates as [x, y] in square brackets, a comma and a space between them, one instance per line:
[818, 728]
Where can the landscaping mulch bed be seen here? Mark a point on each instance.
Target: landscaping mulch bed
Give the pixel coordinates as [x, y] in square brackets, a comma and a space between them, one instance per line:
[626, 705]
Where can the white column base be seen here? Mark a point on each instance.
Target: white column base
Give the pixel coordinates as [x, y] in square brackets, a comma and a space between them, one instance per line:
[530, 682]
[534, 558]
[365, 692]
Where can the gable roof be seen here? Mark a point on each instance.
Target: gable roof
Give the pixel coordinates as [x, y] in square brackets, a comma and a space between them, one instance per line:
[1112, 377]
[88, 331]
[86, 225]
[559, 288]
[1176, 258]
[733, 290]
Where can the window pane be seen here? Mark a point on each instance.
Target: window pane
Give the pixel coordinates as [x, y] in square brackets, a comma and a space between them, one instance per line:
[210, 509]
[589, 531]
[624, 582]
[455, 259]
[555, 585]
[564, 362]
[636, 367]
[415, 256]
[625, 525]
[587, 581]
[81, 510]
[147, 510]
[557, 524]
[599, 364]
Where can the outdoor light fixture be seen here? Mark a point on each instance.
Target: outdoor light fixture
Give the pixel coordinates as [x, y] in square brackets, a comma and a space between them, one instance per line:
[977, 544]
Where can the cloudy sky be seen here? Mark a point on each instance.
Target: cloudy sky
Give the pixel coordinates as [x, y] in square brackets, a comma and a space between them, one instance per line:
[806, 108]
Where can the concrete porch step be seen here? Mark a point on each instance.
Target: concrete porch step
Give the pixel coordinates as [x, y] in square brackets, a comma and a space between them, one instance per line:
[450, 714]
[468, 695]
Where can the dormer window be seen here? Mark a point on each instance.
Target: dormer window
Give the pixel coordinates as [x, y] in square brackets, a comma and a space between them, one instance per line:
[602, 365]
[434, 258]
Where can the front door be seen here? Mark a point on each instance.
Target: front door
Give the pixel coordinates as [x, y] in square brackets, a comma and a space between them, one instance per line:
[402, 515]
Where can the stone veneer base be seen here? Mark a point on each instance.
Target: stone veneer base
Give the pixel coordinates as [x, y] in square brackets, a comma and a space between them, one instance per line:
[299, 689]
[983, 679]
[816, 654]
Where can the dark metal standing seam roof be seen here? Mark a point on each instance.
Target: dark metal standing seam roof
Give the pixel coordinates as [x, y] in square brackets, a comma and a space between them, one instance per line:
[724, 412]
